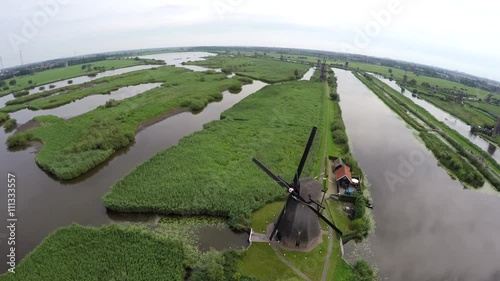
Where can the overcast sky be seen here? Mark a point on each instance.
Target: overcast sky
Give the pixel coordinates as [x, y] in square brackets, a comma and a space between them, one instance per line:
[459, 35]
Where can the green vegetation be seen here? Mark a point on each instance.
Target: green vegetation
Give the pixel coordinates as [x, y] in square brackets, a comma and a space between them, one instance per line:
[363, 271]
[19, 139]
[125, 252]
[452, 160]
[226, 182]
[3, 117]
[362, 226]
[109, 253]
[57, 74]
[10, 124]
[261, 262]
[73, 147]
[266, 70]
[442, 93]
[21, 93]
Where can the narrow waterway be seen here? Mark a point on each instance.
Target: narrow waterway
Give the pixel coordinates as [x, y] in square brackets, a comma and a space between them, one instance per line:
[448, 119]
[83, 105]
[44, 204]
[84, 79]
[307, 76]
[427, 226]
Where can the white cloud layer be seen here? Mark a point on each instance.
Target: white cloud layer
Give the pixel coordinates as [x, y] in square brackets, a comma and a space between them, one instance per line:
[460, 35]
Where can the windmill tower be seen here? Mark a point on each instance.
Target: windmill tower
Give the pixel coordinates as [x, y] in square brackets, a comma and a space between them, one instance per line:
[298, 223]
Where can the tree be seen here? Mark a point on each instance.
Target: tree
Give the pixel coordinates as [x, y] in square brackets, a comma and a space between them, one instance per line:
[30, 82]
[363, 271]
[412, 82]
[390, 70]
[2, 83]
[12, 82]
[84, 66]
[296, 72]
[359, 206]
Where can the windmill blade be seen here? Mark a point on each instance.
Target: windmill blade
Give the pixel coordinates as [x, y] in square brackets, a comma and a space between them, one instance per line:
[270, 174]
[325, 220]
[273, 233]
[304, 156]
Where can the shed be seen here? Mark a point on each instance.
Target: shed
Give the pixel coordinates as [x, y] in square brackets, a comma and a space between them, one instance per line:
[343, 176]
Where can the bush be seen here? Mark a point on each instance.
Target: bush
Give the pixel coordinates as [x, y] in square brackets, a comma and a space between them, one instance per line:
[111, 103]
[19, 139]
[339, 137]
[333, 96]
[20, 94]
[359, 207]
[193, 104]
[3, 117]
[363, 272]
[10, 124]
[226, 71]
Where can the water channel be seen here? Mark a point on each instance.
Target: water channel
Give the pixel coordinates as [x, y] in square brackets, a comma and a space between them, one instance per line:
[44, 204]
[448, 119]
[427, 226]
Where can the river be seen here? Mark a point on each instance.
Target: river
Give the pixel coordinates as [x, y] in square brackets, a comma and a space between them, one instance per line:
[427, 226]
[448, 119]
[45, 204]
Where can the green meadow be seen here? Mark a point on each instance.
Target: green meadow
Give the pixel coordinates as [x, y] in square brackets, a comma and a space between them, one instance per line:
[57, 74]
[211, 173]
[267, 70]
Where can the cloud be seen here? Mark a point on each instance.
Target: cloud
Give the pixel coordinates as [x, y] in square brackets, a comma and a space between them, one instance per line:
[455, 34]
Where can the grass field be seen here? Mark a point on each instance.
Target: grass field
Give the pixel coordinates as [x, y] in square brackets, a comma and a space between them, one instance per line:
[271, 71]
[210, 172]
[74, 146]
[53, 75]
[107, 253]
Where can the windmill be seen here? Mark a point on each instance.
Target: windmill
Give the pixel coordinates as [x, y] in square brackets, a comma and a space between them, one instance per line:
[298, 223]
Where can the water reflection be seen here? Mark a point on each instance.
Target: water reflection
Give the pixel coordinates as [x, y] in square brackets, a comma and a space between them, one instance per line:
[448, 119]
[45, 204]
[83, 105]
[427, 226]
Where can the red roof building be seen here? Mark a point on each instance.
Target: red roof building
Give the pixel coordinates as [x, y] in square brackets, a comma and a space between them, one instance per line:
[343, 172]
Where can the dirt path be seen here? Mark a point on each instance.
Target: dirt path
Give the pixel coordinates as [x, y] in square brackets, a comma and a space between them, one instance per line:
[328, 254]
[290, 265]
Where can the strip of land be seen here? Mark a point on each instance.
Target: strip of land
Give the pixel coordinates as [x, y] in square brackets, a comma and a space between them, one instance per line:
[73, 147]
[27, 82]
[462, 163]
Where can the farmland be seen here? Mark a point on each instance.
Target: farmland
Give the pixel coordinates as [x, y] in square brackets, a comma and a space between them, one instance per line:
[266, 70]
[57, 74]
[210, 172]
[73, 147]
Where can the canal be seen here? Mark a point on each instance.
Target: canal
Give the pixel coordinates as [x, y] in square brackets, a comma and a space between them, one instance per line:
[448, 119]
[45, 204]
[428, 227]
